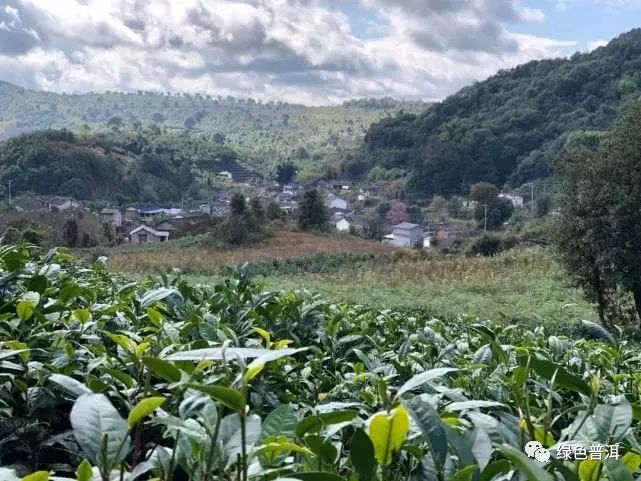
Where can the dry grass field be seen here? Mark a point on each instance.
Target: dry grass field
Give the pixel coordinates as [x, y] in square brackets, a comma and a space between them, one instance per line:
[198, 259]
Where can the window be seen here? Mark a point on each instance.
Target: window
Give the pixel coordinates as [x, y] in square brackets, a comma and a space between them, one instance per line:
[142, 238]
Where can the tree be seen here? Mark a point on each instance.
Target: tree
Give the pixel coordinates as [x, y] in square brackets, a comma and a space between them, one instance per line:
[373, 227]
[484, 193]
[285, 172]
[238, 204]
[190, 123]
[455, 207]
[619, 178]
[115, 122]
[70, 232]
[312, 211]
[581, 230]
[599, 229]
[498, 212]
[274, 211]
[397, 213]
[257, 210]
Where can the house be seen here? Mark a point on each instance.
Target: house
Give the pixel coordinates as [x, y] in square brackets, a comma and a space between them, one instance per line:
[341, 184]
[111, 216]
[147, 235]
[407, 235]
[131, 214]
[343, 225]
[58, 204]
[289, 189]
[444, 235]
[226, 173]
[517, 200]
[29, 206]
[336, 203]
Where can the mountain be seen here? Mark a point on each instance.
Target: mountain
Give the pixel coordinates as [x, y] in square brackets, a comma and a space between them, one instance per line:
[263, 133]
[123, 166]
[508, 127]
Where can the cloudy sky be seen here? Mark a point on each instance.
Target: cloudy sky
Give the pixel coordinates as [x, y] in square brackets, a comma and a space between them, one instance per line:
[305, 51]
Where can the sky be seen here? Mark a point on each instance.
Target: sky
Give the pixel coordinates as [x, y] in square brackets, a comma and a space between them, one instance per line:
[301, 51]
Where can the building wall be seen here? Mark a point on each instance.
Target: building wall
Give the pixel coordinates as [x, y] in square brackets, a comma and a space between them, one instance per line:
[408, 238]
[151, 239]
[342, 226]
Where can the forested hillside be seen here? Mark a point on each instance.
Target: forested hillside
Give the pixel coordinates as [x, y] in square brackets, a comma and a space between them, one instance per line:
[508, 127]
[265, 133]
[116, 166]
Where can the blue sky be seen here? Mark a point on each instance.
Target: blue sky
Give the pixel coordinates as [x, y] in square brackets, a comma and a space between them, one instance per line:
[303, 51]
[585, 21]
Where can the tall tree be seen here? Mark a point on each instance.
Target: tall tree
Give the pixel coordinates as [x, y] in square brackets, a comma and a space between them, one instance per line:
[312, 211]
[619, 181]
[397, 213]
[484, 192]
[581, 228]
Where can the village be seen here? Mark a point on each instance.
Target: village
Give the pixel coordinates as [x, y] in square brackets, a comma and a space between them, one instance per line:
[367, 209]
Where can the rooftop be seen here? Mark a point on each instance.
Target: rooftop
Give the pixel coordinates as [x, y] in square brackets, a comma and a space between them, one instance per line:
[406, 226]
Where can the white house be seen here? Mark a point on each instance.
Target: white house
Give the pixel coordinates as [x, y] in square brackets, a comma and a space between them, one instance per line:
[59, 204]
[517, 200]
[111, 216]
[226, 173]
[343, 225]
[147, 235]
[407, 235]
[336, 202]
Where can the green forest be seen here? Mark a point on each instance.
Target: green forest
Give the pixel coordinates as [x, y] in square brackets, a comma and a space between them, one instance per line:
[146, 165]
[508, 128]
[265, 133]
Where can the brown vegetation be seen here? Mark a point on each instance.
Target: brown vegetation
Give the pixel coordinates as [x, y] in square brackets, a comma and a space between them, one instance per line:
[284, 244]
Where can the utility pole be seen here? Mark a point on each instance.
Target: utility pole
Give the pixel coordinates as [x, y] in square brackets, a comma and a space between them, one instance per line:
[485, 217]
[532, 199]
[10, 191]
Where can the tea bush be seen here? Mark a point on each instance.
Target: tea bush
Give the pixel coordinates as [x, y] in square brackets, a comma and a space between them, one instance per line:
[103, 379]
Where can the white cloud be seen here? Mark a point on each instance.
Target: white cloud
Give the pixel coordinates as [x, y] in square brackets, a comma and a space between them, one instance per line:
[296, 50]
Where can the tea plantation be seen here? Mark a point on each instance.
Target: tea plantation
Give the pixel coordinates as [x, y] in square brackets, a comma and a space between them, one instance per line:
[104, 379]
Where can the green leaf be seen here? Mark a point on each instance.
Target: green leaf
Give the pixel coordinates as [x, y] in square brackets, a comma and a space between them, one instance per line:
[84, 471]
[257, 365]
[465, 474]
[144, 408]
[564, 378]
[501, 466]
[531, 469]
[474, 404]
[598, 332]
[617, 470]
[162, 368]
[422, 378]
[362, 456]
[37, 476]
[156, 295]
[632, 461]
[315, 422]
[70, 384]
[589, 470]
[388, 432]
[316, 476]
[429, 422]
[24, 310]
[229, 353]
[100, 431]
[613, 420]
[231, 398]
[281, 421]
